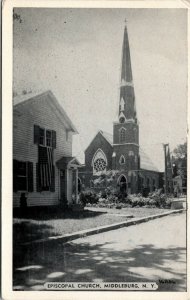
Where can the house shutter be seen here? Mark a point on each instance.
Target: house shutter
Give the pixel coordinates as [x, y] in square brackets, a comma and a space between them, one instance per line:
[38, 189]
[30, 176]
[53, 139]
[52, 187]
[15, 168]
[36, 134]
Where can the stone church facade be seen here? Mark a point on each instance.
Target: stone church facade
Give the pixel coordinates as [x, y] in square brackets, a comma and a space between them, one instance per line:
[121, 152]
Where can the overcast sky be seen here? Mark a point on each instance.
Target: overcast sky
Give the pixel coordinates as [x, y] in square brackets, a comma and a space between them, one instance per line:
[77, 54]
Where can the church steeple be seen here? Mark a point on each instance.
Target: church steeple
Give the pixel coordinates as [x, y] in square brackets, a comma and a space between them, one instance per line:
[127, 111]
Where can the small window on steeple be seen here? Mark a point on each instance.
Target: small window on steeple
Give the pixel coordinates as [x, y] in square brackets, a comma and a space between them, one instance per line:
[122, 135]
[131, 153]
[122, 160]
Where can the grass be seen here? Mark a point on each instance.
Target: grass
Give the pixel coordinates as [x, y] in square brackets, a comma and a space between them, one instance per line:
[40, 223]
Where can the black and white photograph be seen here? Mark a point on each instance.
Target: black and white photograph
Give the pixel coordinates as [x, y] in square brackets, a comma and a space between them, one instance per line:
[99, 149]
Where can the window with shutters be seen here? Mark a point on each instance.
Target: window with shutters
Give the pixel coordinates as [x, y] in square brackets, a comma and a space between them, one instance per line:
[44, 137]
[22, 176]
[45, 170]
[48, 138]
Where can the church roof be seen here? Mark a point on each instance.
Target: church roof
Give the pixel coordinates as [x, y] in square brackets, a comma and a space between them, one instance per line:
[145, 162]
[108, 136]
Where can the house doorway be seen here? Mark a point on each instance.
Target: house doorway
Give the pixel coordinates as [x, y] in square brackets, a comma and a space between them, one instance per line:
[63, 186]
[123, 184]
[79, 185]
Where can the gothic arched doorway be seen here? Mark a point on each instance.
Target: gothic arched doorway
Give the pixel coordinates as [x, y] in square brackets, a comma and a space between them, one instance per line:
[122, 184]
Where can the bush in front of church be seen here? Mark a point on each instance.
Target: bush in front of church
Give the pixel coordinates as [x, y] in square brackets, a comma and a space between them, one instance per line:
[88, 197]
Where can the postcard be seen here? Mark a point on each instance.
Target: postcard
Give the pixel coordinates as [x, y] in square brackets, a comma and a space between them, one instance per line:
[94, 156]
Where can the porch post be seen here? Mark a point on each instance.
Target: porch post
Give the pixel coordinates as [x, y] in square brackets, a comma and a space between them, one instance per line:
[76, 184]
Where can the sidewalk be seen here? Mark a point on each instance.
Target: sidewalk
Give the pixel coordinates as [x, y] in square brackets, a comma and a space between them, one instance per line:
[50, 222]
[69, 237]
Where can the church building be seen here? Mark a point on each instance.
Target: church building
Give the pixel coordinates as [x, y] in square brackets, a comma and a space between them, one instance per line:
[121, 152]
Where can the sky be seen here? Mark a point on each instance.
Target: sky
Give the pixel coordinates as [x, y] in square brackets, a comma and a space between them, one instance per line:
[76, 53]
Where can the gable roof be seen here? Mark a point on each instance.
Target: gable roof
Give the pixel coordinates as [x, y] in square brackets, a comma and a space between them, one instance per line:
[108, 136]
[24, 99]
[64, 161]
[145, 162]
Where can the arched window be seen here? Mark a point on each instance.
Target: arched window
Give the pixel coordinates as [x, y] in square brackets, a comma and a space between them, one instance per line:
[122, 135]
[131, 153]
[135, 134]
[122, 160]
[99, 162]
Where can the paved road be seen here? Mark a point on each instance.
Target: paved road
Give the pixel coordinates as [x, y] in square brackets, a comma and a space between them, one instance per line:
[150, 251]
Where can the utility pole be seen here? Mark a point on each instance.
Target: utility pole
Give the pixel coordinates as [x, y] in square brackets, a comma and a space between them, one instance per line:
[166, 173]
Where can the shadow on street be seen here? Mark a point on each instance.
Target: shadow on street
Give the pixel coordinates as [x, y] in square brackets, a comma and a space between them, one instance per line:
[35, 265]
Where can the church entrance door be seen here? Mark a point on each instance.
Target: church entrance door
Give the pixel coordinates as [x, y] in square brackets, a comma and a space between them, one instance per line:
[123, 184]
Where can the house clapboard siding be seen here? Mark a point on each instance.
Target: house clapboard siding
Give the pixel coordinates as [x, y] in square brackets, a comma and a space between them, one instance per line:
[38, 111]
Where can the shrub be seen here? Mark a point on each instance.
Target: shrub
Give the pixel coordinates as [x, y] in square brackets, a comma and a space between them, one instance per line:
[111, 197]
[88, 197]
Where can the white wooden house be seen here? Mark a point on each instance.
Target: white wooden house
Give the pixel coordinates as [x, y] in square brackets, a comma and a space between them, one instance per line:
[43, 166]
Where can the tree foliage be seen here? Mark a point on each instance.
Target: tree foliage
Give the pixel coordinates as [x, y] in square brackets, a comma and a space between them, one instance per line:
[179, 159]
[180, 152]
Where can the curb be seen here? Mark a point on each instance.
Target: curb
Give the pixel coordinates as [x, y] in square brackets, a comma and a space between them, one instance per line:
[87, 232]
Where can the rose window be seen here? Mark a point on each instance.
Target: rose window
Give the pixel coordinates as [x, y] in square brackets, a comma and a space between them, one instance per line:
[99, 162]
[99, 165]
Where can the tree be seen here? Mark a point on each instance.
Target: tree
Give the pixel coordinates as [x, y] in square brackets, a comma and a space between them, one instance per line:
[180, 152]
[179, 159]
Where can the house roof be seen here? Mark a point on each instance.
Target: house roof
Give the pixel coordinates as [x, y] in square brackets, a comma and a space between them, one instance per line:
[63, 162]
[145, 162]
[24, 99]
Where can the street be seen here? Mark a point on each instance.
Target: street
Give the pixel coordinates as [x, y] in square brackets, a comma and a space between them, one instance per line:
[152, 251]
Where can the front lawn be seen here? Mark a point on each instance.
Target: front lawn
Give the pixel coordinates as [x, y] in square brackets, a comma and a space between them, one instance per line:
[42, 223]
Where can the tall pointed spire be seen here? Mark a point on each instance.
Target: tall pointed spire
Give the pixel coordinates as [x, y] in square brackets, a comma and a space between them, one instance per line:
[126, 71]
[127, 109]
